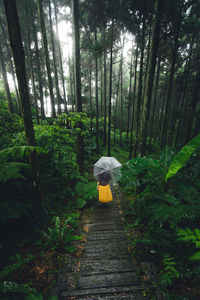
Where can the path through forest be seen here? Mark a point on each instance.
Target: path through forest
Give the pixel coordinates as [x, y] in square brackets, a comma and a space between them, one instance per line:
[102, 268]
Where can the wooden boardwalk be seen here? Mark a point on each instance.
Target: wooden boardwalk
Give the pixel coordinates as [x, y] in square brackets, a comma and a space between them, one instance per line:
[102, 268]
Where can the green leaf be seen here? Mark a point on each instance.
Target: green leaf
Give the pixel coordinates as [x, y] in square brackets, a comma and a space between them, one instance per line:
[34, 297]
[195, 256]
[183, 156]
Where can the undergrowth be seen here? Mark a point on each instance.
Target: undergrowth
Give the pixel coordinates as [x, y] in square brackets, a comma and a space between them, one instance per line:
[163, 218]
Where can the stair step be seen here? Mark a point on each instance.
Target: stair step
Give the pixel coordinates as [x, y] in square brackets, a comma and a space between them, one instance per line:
[106, 291]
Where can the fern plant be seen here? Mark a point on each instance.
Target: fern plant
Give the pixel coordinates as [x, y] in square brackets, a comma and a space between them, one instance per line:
[19, 152]
[60, 235]
[13, 287]
[10, 269]
[190, 236]
[40, 297]
[169, 272]
[86, 191]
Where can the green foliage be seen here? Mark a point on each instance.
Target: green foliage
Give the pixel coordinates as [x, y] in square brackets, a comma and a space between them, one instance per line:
[12, 170]
[170, 272]
[40, 297]
[190, 236]
[10, 124]
[85, 191]
[10, 286]
[60, 235]
[183, 156]
[19, 152]
[6, 271]
[161, 210]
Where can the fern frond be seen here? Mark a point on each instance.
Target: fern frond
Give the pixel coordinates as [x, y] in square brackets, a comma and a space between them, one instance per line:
[12, 170]
[10, 269]
[19, 152]
[195, 256]
[13, 210]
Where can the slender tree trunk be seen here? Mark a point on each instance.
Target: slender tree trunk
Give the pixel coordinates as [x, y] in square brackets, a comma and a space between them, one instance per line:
[74, 104]
[70, 81]
[150, 76]
[110, 89]
[90, 90]
[116, 107]
[60, 57]
[192, 109]
[31, 63]
[45, 45]
[135, 112]
[105, 102]
[161, 115]
[185, 121]
[38, 66]
[96, 95]
[121, 93]
[80, 148]
[130, 95]
[139, 95]
[19, 60]
[155, 100]
[5, 81]
[101, 89]
[148, 52]
[11, 64]
[170, 86]
[183, 94]
[54, 61]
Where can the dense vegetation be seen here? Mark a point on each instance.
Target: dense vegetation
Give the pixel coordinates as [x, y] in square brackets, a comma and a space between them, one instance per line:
[128, 87]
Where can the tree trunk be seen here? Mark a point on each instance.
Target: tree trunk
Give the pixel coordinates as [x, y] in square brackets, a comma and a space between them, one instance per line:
[80, 148]
[31, 63]
[150, 76]
[148, 51]
[167, 116]
[54, 61]
[70, 80]
[116, 107]
[38, 66]
[121, 92]
[105, 102]
[101, 72]
[155, 101]
[11, 65]
[96, 95]
[90, 91]
[129, 96]
[5, 81]
[134, 107]
[19, 60]
[60, 57]
[180, 121]
[139, 95]
[45, 45]
[192, 109]
[110, 89]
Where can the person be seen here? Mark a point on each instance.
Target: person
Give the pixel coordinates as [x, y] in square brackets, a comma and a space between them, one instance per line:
[103, 186]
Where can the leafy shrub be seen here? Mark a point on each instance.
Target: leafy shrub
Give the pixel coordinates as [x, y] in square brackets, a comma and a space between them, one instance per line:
[7, 286]
[162, 210]
[86, 192]
[61, 234]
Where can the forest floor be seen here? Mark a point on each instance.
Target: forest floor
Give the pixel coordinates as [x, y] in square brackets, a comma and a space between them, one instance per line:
[102, 267]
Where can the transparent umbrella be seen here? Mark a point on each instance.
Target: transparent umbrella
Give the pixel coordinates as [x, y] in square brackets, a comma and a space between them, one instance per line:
[111, 164]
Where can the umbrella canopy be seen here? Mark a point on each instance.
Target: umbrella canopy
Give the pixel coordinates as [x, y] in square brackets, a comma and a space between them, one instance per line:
[111, 164]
